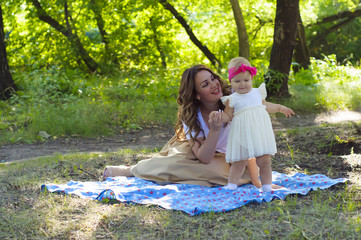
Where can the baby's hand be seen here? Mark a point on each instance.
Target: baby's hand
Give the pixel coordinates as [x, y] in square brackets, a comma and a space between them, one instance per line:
[215, 119]
[286, 111]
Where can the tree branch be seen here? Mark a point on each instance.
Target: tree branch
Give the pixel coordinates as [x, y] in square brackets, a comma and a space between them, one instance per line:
[261, 24]
[190, 33]
[46, 18]
[100, 22]
[337, 16]
[66, 15]
[66, 31]
[321, 37]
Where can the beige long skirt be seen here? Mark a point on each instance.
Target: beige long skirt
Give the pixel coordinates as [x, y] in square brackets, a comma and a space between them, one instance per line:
[176, 163]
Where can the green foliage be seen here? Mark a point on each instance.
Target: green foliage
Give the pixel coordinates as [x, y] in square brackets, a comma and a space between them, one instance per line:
[67, 103]
[326, 86]
[143, 35]
[139, 34]
[345, 41]
[64, 103]
[58, 96]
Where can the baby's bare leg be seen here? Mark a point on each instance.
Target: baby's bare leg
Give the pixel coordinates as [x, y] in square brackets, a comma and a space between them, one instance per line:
[264, 164]
[235, 173]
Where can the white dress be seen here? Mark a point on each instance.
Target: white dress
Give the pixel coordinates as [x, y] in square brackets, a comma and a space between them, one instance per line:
[251, 134]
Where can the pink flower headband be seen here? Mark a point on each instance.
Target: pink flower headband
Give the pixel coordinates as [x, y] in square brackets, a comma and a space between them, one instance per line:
[243, 68]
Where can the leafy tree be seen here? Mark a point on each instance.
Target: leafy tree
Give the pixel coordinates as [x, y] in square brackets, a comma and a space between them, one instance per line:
[127, 34]
[96, 6]
[7, 85]
[319, 43]
[212, 58]
[276, 78]
[69, 31]
[157, 41]
[149, 41]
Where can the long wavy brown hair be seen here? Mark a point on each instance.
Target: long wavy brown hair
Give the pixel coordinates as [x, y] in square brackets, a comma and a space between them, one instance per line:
[188, 102]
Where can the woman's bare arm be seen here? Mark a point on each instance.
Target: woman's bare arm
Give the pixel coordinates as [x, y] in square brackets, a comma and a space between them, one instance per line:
[204, 150]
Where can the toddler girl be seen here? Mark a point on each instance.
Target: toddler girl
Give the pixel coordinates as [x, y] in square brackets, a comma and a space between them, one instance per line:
[251, 134]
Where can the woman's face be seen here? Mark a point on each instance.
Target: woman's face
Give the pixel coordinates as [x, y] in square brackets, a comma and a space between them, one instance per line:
[207, 87]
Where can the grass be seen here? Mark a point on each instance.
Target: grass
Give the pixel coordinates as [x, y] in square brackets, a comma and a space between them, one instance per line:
[326, 86]
[28, 213]
[73, 104]
[64, 104]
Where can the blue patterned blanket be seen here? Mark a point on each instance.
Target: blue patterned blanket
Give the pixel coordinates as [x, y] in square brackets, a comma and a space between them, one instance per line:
[191, 199]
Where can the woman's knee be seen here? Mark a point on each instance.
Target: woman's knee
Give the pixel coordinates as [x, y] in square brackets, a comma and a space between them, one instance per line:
[218, 162]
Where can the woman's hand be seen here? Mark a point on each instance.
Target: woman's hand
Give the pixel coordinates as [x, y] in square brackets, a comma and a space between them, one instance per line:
[215, 120]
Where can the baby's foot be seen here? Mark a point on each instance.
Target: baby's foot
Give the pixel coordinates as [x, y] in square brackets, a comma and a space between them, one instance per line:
[231, 186]
[269, 187]
[274, 186]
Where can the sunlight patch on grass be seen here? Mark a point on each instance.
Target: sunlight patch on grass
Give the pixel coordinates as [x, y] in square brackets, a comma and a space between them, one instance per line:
[339, 116]
[72, 217]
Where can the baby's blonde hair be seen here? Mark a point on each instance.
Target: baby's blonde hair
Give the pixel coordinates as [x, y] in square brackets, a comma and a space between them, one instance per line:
[236, 62]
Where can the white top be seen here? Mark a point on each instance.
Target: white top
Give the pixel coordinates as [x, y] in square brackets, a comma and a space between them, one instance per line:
[248, 100]
[223, 136]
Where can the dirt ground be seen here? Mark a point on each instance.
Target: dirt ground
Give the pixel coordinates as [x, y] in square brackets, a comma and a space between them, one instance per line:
[156, 138]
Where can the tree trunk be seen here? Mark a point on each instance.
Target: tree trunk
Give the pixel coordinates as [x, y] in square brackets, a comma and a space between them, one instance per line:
[7, 85]
[68, 33]
[212, 58]
[243, 44]
[157, 43]
[302, 53]
[284, 40]
[94, 6]
[100, 21]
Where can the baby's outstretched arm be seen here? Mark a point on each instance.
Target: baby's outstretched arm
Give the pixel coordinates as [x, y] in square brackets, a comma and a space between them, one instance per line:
[286, 111]
[274, 108]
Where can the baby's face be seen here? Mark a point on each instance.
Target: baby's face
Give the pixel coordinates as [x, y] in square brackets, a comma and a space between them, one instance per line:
[242, 83]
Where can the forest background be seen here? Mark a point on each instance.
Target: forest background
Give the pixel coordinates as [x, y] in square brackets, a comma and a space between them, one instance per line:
[108, 72]
[96, 67]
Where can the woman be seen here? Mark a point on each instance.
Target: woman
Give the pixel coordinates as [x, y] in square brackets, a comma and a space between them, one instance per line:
[195, 155]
